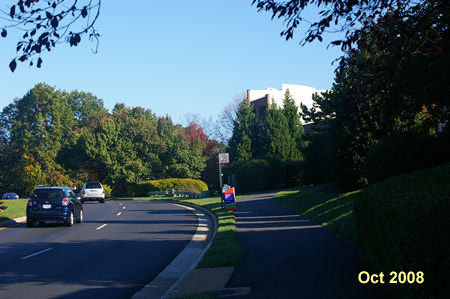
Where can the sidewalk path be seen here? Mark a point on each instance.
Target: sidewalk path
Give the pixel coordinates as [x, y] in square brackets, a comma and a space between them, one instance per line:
[288, 256]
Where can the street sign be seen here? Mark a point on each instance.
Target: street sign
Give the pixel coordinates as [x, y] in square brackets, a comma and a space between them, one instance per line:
[224, 158]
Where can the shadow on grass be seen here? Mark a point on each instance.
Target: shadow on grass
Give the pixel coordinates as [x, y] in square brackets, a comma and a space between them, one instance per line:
[334, 211]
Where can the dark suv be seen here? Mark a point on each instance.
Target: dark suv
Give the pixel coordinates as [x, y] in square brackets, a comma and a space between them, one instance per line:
[54, 204]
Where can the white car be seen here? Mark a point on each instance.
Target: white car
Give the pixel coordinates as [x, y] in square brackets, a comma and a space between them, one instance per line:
[92, 191]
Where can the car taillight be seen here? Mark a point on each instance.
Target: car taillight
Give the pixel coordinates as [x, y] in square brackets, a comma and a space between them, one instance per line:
[83, 192]
[65, 202]
[30, 202]
[103, 191]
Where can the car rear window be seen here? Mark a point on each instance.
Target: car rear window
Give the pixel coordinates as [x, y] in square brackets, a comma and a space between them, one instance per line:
[48, 193]
[93, 186]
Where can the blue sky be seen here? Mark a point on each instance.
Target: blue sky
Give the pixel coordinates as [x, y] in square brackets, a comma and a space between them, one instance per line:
[175, 57]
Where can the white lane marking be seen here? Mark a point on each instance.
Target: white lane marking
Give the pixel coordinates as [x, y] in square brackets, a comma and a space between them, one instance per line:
[118, 214]
[121, 204]
[123, 208]
[31, 255]
[101, 226]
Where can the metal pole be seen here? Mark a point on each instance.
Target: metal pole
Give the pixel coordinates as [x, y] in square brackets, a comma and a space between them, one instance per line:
[220, 184]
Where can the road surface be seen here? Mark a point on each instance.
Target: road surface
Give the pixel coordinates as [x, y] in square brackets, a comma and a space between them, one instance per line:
[120, 247]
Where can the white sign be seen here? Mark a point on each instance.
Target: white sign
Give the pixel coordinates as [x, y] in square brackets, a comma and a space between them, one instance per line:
[224, 158]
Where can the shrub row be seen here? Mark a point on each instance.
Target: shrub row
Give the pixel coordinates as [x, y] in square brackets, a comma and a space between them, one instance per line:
[406, 153]
[190, 185]
[260, 174]
[403, 226]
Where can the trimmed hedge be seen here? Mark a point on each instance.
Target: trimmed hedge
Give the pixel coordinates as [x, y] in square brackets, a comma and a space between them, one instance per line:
[403, 226]
[404, 154]
[260, 174]
[190, 185]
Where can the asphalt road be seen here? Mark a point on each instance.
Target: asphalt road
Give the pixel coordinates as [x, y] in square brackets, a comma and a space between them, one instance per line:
[120, 247]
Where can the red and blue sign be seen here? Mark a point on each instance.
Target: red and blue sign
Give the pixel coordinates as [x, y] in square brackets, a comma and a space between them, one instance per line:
[229, 199]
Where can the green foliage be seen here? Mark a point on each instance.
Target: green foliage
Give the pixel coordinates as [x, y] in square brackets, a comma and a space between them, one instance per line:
[108, 190]
[243, 142]
[190, 185]
[278, 141]
[403, 226]
[247, 173]
[405, 153]
[58, 138]
[295, 127]
[320, 159]
[260, 174]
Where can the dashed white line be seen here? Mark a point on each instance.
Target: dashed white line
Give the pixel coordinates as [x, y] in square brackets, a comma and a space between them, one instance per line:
[31, 255]
[101, 226]
[124, 208]
[118, 214]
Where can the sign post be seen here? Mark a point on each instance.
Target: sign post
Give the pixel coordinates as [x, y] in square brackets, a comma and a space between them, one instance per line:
[224, 158]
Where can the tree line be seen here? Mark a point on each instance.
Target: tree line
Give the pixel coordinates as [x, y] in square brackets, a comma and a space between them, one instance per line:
[66, 138]
[388, 109]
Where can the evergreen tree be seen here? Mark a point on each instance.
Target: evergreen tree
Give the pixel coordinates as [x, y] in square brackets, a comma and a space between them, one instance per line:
[278, 142]
[243, 142]
[294, 124]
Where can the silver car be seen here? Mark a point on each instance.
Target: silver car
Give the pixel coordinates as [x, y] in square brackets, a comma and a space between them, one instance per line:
[92, 191]
[10, 195]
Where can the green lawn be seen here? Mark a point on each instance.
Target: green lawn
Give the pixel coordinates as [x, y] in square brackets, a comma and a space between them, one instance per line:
[334, 211]
[12, 208]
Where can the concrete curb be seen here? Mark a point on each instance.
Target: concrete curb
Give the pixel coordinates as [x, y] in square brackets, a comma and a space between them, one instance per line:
[186, 260]
[12, 222]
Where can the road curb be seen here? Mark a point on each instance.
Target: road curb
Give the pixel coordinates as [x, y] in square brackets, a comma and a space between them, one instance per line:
[12, 222]
[187, 259]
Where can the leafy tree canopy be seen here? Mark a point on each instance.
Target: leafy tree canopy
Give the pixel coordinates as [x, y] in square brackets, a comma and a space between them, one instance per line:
[46, 24]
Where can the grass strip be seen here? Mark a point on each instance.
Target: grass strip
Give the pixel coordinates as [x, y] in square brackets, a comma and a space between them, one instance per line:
[12, 208]
[334, 211]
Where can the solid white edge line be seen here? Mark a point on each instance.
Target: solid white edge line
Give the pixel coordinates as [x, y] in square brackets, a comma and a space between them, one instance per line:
[101, 226]
[31, 255]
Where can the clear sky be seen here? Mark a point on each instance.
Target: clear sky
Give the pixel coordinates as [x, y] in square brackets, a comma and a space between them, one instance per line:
[175, 57]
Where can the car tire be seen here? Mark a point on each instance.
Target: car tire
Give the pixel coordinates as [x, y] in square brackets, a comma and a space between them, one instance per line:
[30, 223]
[102, 201]
[41, 222]
[80, 217]
[70, 221]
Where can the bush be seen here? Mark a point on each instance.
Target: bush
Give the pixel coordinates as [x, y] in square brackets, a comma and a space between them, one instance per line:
[404, 154]
[107, 190]
[259, 174]
[253, 175]
[320, 164]
[191, 185]
[403, 226]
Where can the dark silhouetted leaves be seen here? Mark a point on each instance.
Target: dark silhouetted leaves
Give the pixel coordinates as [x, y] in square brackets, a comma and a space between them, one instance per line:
[54, 22]
[12, 12]
[84, 12]
[53, 18]
[12, 65]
